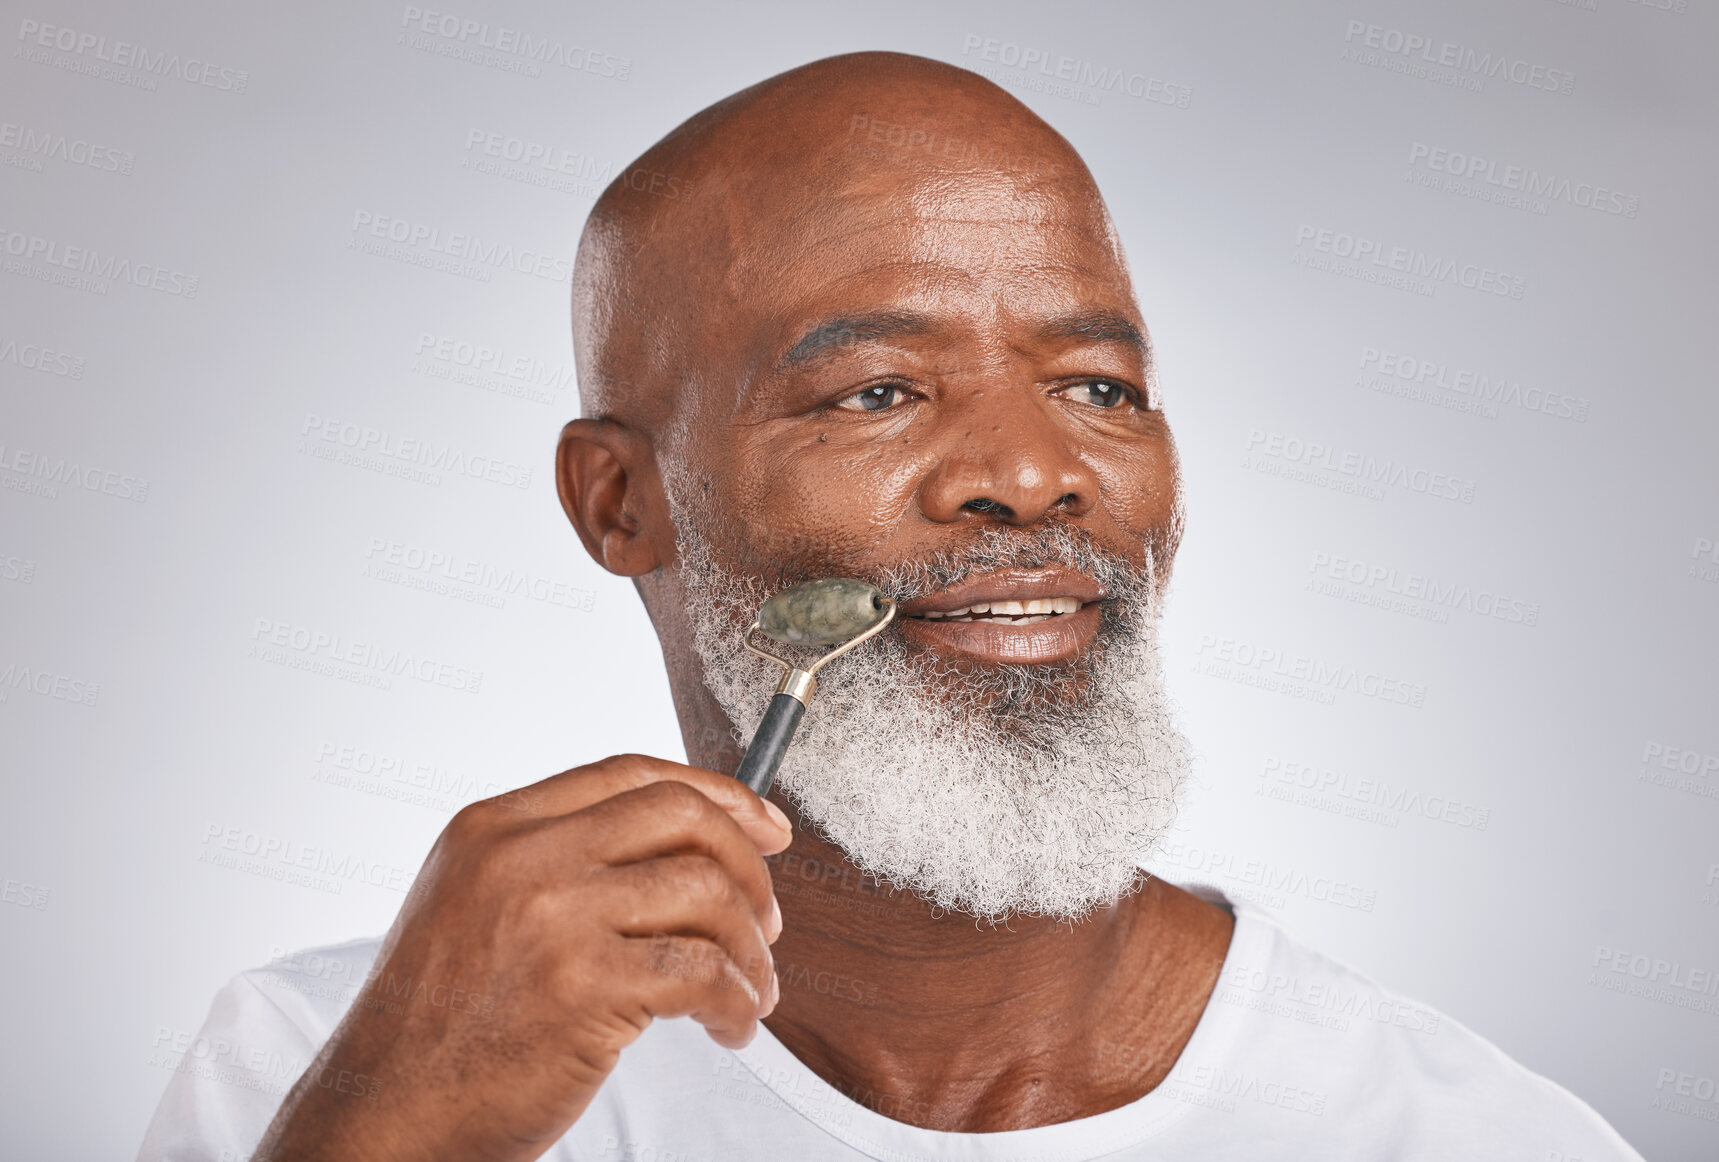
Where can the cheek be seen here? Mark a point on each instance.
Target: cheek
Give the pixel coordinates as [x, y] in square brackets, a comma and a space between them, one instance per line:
[823, 503]
[1140, 487]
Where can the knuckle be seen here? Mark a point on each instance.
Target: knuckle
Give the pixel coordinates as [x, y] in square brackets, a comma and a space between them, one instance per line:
[703, 878]
[679, 802]
[627, 766]
[469, 825]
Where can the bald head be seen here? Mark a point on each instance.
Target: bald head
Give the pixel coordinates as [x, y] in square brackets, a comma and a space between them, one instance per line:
[724, 214]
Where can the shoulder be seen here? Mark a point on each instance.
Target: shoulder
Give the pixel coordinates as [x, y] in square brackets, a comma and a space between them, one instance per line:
[263, 1030]
[311, 989]
[1431, 1086]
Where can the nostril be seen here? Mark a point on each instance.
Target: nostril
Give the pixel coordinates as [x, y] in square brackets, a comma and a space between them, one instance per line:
[1067, 500]
[987, 505]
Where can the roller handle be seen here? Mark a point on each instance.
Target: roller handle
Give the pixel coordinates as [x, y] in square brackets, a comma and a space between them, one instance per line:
[758, 769]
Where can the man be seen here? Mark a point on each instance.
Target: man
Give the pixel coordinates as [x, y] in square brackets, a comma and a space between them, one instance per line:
[869, 318]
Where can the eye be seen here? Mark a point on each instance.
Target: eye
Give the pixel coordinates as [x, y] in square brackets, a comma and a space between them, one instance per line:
[1101, 393]
[873, 399]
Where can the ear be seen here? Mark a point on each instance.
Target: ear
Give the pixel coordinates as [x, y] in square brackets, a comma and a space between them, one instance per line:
[609, 487]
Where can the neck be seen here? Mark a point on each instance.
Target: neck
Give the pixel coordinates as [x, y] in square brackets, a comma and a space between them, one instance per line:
[942, 1022]
[939, 1021]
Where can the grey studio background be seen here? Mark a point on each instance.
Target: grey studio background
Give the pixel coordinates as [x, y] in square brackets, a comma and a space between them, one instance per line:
[283, 579]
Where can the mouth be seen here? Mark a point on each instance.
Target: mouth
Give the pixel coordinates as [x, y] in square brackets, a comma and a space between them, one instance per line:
[1020, 617]
[1029, 612]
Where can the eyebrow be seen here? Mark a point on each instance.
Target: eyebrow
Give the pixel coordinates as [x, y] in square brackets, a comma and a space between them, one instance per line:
[1094, 326]
[847, 330]
[1099, 326]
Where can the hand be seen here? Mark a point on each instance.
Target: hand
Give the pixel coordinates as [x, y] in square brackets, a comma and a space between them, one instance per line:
[547, 929]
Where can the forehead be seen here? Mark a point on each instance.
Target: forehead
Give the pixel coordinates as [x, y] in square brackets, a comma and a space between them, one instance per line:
[938, 242]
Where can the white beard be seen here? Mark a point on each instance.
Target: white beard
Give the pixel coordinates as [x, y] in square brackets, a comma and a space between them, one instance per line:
[987, 790]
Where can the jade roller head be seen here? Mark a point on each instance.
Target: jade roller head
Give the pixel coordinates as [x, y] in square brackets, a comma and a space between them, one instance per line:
[823, 613]
[836, 611]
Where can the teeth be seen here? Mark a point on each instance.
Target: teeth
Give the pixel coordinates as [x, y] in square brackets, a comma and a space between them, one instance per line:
[1016, 612]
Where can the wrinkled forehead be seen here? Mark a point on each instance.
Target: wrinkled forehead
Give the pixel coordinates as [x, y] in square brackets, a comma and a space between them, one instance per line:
[961, 244]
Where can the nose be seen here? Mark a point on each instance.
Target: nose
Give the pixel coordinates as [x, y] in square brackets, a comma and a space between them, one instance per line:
[1010, 462]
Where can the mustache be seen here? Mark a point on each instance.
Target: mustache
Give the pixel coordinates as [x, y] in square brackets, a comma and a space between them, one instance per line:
[996, 549]
[988, 550]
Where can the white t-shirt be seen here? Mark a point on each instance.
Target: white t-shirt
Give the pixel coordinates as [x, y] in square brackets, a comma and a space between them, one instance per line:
[1296, 1057]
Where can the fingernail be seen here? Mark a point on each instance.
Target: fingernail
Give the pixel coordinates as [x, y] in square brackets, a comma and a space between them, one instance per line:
[776, 813]
[776, 916]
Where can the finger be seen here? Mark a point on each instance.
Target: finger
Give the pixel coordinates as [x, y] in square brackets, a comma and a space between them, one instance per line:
[671, 818]
[580, 787]
[682, 976]
[685, 895]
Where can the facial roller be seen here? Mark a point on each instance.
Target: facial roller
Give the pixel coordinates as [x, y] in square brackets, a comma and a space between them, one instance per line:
[818, 613]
